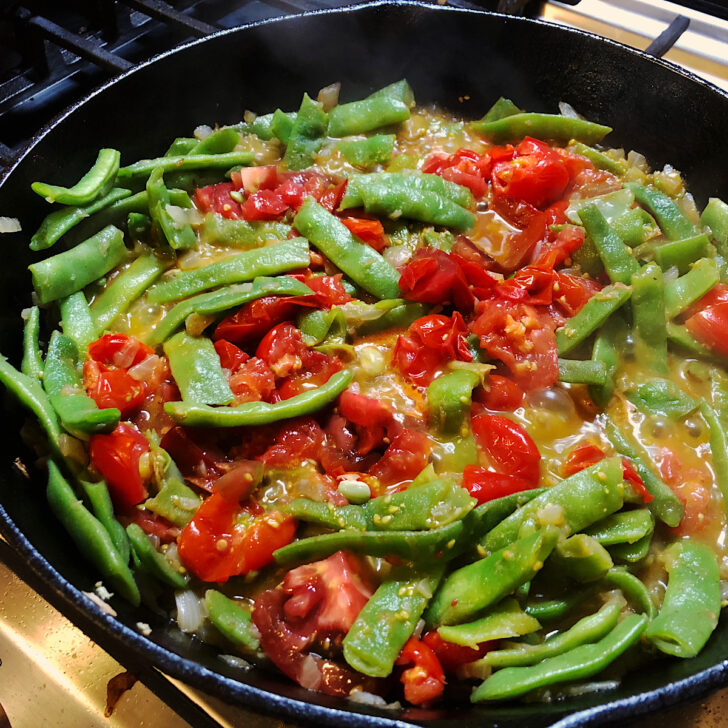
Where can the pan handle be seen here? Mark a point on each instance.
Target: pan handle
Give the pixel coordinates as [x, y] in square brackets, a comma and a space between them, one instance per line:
[668, 37]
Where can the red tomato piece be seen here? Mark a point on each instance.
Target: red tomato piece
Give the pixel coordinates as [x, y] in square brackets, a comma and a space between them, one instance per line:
[632, 477]
[113, 387]
[231, 356]
[253, 320]
[252, 179]
[331, 198]
[297, 186]
[264, 205]
[116, 457]
[592, 182]
[297, 440]
[193, 451]
[508, 446]
[452, 656]
[404, 459]
[499, 393]
[253, 381]
[317, 369]
[119, 350]
[237, 483]
[434, 276]
[710, 327]
[582, 457]
[282, 349]
[425, 681]
[154, 525]
[216, 198]
[328, 290]
[717, 294]
[369, 231]
[567, 242]
[485, 485]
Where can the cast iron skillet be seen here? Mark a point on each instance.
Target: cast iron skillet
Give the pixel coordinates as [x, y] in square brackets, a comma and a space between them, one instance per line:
[460, 59]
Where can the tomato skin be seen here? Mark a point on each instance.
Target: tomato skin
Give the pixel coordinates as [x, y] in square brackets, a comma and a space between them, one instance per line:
[499, 393]
[112, 387]
[452, 656]
[252, 179]
[508, 446]
[216, 198]
[369, 231]
[434, 276]
[425, 681]
[297, 440]
[406, 456]
[154, 525]
[254, 319]
[116, 456]
[200, 462]
[485, 485]
[328, 291]
[119, 350]
[710, 327]
[264, 205]
[253, 381]
[231, 356]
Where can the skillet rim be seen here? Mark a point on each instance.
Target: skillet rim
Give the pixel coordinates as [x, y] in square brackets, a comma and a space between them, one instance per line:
[71, 601]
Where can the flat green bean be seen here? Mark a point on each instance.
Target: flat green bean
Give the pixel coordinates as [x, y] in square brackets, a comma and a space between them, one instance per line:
[76, 320]
[233, 619]
[32, 364]
[359, 117]
[648, 314]
[633, 589]
[151, 561]
[582, 372]
[682, 292]
[218, 230]
[449, 399]
[669, 216]
[514, 127]
[715, 217]
[606, 351]
[97, 495]
[681, 253]
[144, 167]
[581, 558]
[599, 159]
[368, 152]
[718, 448]
[622, 527]
[306, 135]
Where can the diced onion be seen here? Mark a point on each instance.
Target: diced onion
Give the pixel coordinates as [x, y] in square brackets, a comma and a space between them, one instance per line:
[566, 109]
[635, 159]
[249, 116]
[203, 131]
[397, 255]
[145, 368]
[328, 96]
[10, 225]
[182, 216]
[191, 610]
[310, 675]
[376, 701]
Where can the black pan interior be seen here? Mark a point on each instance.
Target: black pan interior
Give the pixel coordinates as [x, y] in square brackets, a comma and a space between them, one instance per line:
[459, 59]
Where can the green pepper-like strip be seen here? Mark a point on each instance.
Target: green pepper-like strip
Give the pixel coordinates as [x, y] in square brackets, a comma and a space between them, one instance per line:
[515, 127]
[387, 621]
[58, 223]
[259, 413]
[682, 253]
[582, 372]
[89, 535]
[475, 587]
[359, 117]
[32, 364]
[618, 259]
[633, 589]
[218, 230]
[682, 292]
[636, 226]
[606, 352]
[718, 449]
[145, 167]
[307, 135]
[116, 298]
[76, 320]
[501, 108]
[221, 141]
[90, 186]
[364, 265]
[586, 497]
[233, 620]
[207, 304]
[175, 501]
[662, 397]
[505, 620]
[29, 392]
[715, 217]
[691, 607]
[623, 527]
[61, 380]
[65, 273]
[664, 505]
[577, 664]
[599, 159]
[411, 181]
[368, 152]
[151, 561]
[97, 495]
[632, 552]
[585, 631]
[648, 313]
[448, 400]
[181, 146]
[595, 312]
[270, 260]
[196, 369]
[550, 610]
[581, 558]
[669, 216]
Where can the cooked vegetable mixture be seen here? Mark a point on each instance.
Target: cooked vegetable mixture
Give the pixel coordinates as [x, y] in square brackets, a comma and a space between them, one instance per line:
[390, 400]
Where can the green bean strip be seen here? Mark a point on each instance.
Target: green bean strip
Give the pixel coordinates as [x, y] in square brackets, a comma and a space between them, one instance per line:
[515, 127]
[145, 167]
[175, 501]
[359, 117]
[662, 397]
[665, 505]
[281, 125]
[505, 620]
[58, 223]
[475, 587]
[586, 497]
[501, 108]
[596, 311]
[599, 159]
[358, 261]
[399, 317]
[586, 631]
[632, 552]
[387, 621]
[307, 135]
[233, 619]
[449, 399]
[221, 141]
[718, 449]
[207, 304]
[582, 372]
[277, 258]
[400, 90]
[581, 558]
[89, 187]
[636, 226]
[617, 257]
[669, 216]
[76, 320]
[181, 146]
[368, 152]
[681, 337]
[97, 495]
[623, 527]
[606, 352]
[28, 391]
[648, 312]
[715, 217]
[633, 589]
[151, 562]
[259, 413]
[179, 235]
[63, 274]
[116, 298]
[61, 380]
[549, 610]
[89, 535]
[691, 607]
[576, 664]
[218, 230]
[32, 364]
[682, 292]
[682, 253]
[197, 370]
